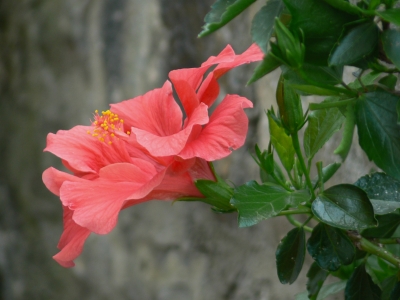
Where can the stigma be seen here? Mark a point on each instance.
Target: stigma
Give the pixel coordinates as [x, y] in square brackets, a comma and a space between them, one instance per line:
[107, 126]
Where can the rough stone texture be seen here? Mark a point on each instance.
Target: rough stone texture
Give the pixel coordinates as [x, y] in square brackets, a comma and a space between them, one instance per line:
[61, 60]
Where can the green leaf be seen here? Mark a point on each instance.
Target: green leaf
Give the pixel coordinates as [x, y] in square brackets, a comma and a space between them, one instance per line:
[326, 291]
[290, 255]
[222, 12]
[366, 79]
[322, 124]
[347, 134]
[268, 64]
[344, 206]
[321, 24]
[217, 194]
[361, 287]
[390, 15]
[379, 269]
[391, 45]
[387, 287]
[389, 81]
[330, 247]
[315, 90]
[324, 75]
[327, 173]
[262, 25]
[378, 131]
[382, 190]
[257, 202]
[267, 177]
[357, 43]
[398, 112]
[282, 143]
[395, 294]
[316, 277]
[387, 225]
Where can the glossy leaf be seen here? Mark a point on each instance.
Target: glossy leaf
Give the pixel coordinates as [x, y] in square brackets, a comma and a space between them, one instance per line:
[263, 23]
[326, 291]
[391, 15]
[282, 143]
[387, 225]
[222, 12]
[382, 190]
[330, 247]
[268, 64]
[344, 206]
[361, 287]
[378, 131]
[316, 277]
[391, 45]
[322, 124]
[320, 35]
[357, 43]
[315, 74]
[290, 255]
[257, 202]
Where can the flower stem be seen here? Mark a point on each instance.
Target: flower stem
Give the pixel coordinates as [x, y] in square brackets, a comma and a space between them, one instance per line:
[371, 248]
[298, 211]
[299, 224]
[320, 176]
[296, 146]
[393, 240]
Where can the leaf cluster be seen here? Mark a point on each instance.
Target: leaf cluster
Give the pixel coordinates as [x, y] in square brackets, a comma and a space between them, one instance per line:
[355, 236]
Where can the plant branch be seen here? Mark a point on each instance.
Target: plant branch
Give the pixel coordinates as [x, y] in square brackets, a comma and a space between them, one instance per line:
[369, 247]
[299, 224]
[296, 146]
[393, 240]
[298, 211]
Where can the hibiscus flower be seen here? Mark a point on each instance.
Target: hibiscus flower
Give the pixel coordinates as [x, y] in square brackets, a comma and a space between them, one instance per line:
[142, 149]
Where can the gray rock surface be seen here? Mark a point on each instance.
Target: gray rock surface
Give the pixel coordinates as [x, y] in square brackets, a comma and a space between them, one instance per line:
[59, 61]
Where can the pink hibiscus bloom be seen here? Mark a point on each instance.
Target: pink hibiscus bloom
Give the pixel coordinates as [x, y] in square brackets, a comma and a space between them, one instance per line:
[141, 150]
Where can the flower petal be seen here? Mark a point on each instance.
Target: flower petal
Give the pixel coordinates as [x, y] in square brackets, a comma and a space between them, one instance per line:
[226, 55]
[96, 203]
[227, 60]
[53, 179]
[186, 82]
[172, 144]
[201, 169]
[254, 53]
[155, 112]
[83, 152]
[71, 241]
[226, 131]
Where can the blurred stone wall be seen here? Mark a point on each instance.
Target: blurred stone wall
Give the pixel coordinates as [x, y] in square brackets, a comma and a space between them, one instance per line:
[59, 61]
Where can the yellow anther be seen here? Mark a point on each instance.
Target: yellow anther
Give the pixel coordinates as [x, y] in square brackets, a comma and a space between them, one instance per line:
[109, 142]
